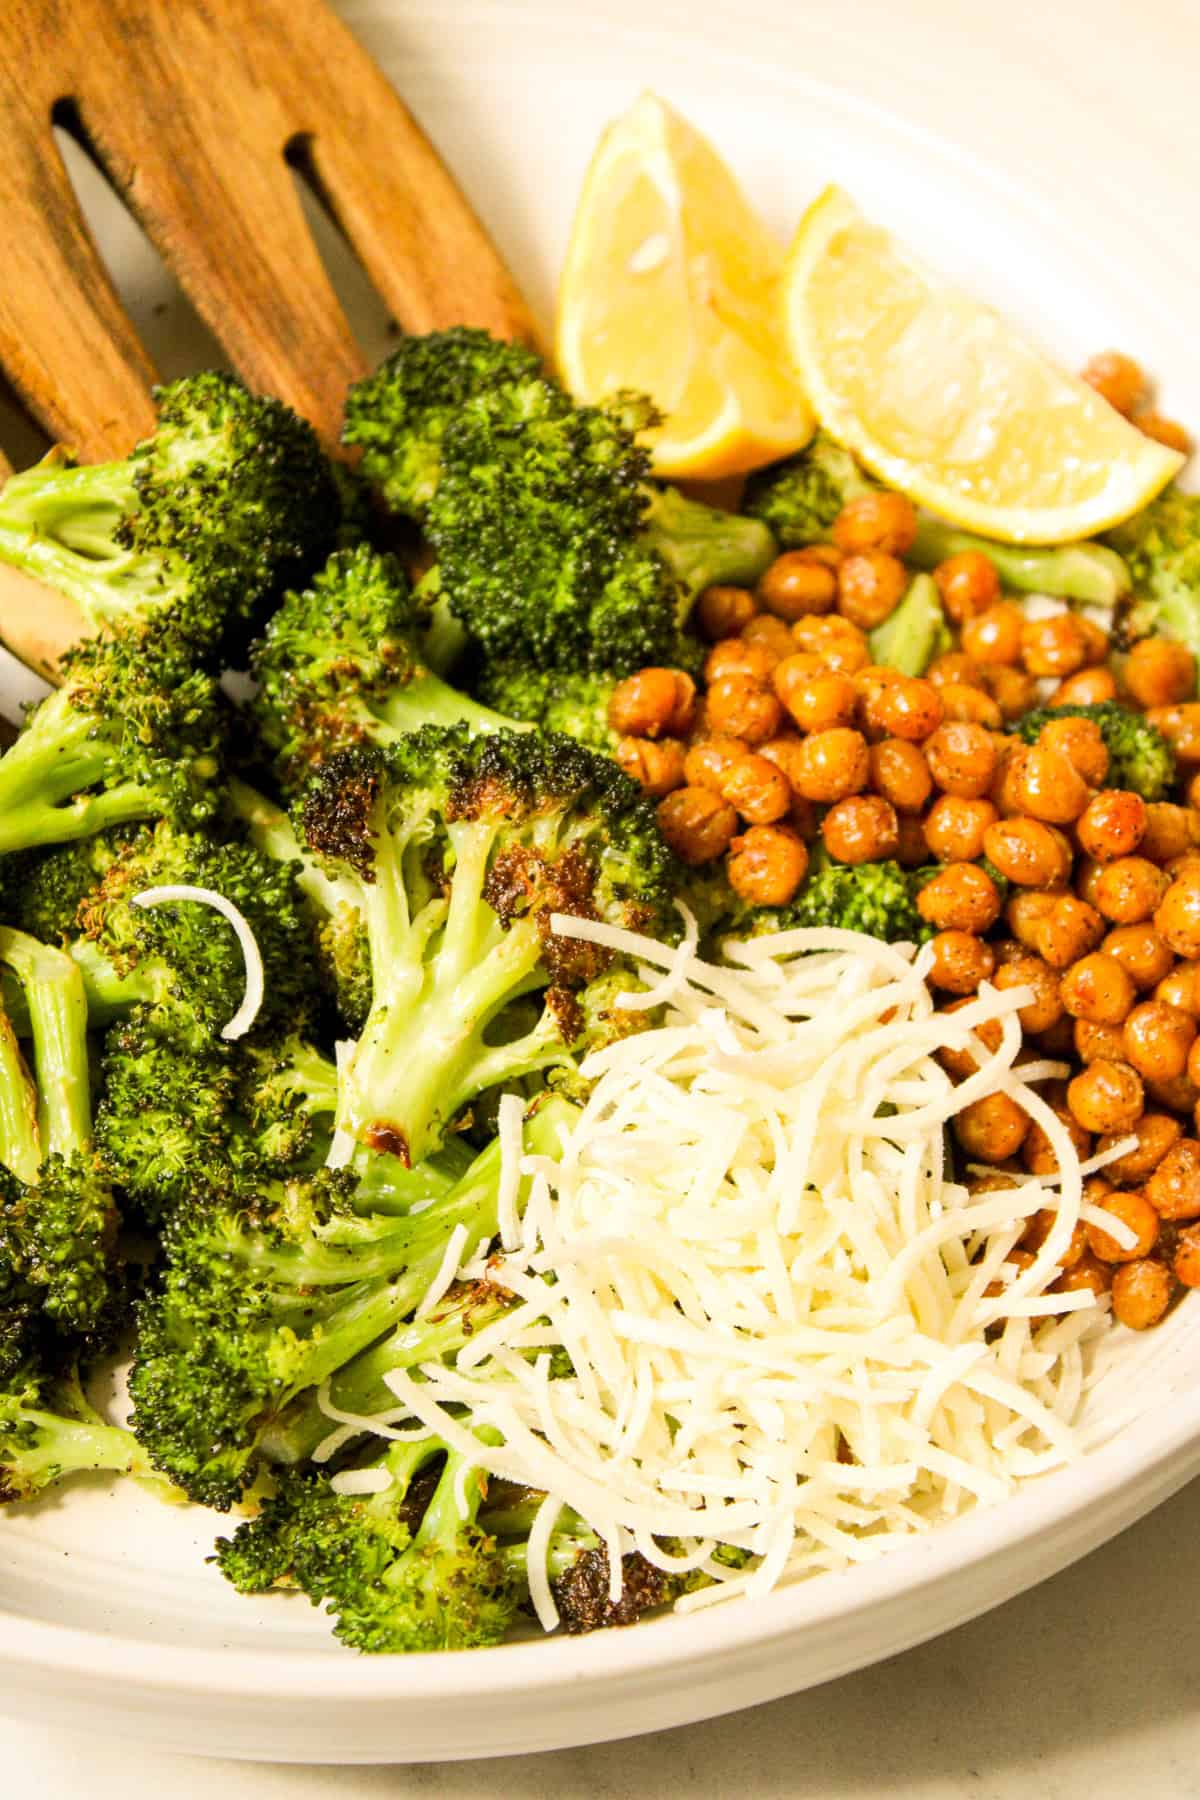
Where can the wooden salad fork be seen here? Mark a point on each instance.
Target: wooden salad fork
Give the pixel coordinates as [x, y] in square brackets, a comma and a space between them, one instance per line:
[195, 109]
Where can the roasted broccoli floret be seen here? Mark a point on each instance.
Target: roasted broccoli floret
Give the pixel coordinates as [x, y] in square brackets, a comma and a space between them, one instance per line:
[1161, 545]
[800, 497]
[1090, 573]
[463, 849]
[574, 702]
[49, 1429]
[131, 734]
[915, 632]
[1139, 756]
[878, 898]
[340, 663]
[228, 501]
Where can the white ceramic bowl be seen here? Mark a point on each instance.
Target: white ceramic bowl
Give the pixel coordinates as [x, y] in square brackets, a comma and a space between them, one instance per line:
[1006, 143]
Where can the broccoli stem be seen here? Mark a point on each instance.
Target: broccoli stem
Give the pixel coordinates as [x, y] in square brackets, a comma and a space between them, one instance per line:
[703, 546]
[60, 753]
[20, 1149]
[66, 1446]
[1089, 573]
[59, 526]
[915, 632]
[58, 1018]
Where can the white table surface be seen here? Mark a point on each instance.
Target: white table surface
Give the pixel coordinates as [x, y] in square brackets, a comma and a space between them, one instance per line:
[1088, 1688]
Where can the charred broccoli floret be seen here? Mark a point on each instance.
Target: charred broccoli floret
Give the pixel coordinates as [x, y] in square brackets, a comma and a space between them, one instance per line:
[800, 497]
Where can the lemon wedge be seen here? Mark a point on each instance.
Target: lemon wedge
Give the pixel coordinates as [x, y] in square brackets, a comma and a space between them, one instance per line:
[671, 287]
[942, 399]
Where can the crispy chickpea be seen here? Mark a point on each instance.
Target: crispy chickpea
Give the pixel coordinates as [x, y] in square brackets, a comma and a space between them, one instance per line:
[1130, 890]
[1039, 1155]
[1087, 878]
[657, 767]
[708, 762]
[1135, 1212]
[1141, 1293]
[653, 703]
[1180, 725]
[910, 848]
[910, 708]
[757, 789]
[970, 706]
[1024, 970]
[1181, 988]
[1112, 824]
[816, 702]
[722, 611]
[960, 962]
[958, 1064]
[1185, 1263]
[1185, 867]
[734, 656]
[960, 897]
[1093, 1043]
[1027, 852]
[766, 865]
[1116, 378]
[1097, 988]
[994, 636]
[697, 824]
[861, 828]
[1158, 1039]
[870, 586]
[992, 1129]
[1160, 672]
[1095, 641]
[1057, 1041]
[954, 669]
[1088, 1273]
[876, 521]
[968, 584]
[1156, 1133]
[1063, 933]
[1171, 831]
[1178, 1095]
[782, 751]
[1173, 1190]
[771, 633]
[840, 645]
[1106, 1096]
[795, 586]
[900, 773]
[1178, 917]
[829, 765]
[1013, 691]
[1087, 687]
[962, 758]
[1046, 785]
[1053, 646]
[1156, 425]
[1140, 951]
[1038, 1230]
[956, 829]
[1027, 912]
[740, 707]
[1080, 741]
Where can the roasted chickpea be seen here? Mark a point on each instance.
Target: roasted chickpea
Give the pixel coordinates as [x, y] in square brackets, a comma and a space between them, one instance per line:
[960, 962]
[1025, 970]
[871, 584]
[771, 633]
[1087, 687]
[958, 1064]
[1133, 1211]
[970, 706]
[1116, 378]
[1178, 917]
[968, 584]
[1141, 1293]
[861, 828]
[657, 767]
[766, 865]
[1156, 1133]
[1181, 988]
[962, 758]
[954, 669]
[1097, 988]
[1178, 1095]
[708, 763]
[1158, 1039]
[722, 611]
[1129, 890]
[1095, 640]
[956, 829]
[734, 656]
[910, 708]
[1112, 824]
[1028, 853]
[1094, 1043]
[910, 849]
[1039, 1155]
[1160, 672]
[1173, 1190]
[1180, 725]
[697, 824]
[1057, 1042]
[1046, 785]
[1080, 741]
[1140, 951]
[782, 751]
[960, 897]
[795, 586]
[831, 764]
[740, 707]
[653, 703]
[1171, 831]
[876, 521]
[817, 702]
[1013, 691]
[757, 789]
[1185, 1263]
[1166, 431]
[1038, 1230]
[1106, 1097]
[992, 1129]
[840, 645]
[994, 636]
[900, 773]
[1088, 1273]
[1054, 645]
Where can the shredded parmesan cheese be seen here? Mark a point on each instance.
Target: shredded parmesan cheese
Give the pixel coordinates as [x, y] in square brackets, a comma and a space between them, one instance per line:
[790, 1330]
[509, 1115]
[360, 1481]
[248, 1011]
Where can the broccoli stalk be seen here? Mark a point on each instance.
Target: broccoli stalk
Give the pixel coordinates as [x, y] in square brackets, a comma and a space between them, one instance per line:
[1092, 574]
[915, 632]
[49, 1430]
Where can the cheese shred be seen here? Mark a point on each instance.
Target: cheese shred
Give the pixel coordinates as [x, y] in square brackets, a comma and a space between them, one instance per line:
[252, 1000]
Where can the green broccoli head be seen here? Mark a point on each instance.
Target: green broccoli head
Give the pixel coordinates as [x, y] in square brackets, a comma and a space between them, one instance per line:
[1139, 756]
[572, 702]
[878, 898]
[49, 1430]
[1161, 546]
[230, 499]
[800, 498]
[58, 1244]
